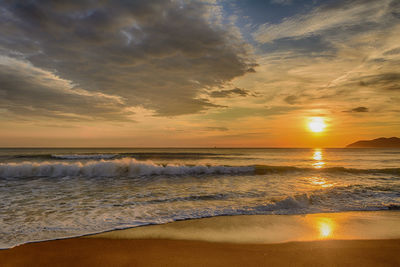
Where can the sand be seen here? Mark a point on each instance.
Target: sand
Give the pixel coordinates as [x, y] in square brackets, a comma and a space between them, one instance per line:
[158, 252]
[257, 240]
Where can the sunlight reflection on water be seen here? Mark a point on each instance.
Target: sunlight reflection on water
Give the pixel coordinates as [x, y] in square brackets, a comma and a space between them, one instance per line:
[318, 159]
[319, 181]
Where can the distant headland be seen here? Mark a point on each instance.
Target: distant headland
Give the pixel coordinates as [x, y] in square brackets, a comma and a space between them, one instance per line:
[392, 142]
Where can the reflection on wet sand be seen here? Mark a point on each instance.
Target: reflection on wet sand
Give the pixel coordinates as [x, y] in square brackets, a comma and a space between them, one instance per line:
[273, 228]
[325, 227]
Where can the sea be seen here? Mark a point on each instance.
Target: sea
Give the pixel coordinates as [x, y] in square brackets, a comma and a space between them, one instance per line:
[53, 193]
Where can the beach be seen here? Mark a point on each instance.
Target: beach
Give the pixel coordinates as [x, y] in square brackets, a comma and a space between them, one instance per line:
[159, 252]
[338, 239]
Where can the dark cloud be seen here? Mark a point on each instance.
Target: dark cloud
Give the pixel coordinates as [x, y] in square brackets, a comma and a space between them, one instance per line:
[154, 54]
[291, 99]
[391, 52]
[386, 81]
[395, 9]
[230, 93]
[358, 109]
[29, 91]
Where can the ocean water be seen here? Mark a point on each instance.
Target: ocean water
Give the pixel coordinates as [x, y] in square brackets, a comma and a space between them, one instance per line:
[56, 193]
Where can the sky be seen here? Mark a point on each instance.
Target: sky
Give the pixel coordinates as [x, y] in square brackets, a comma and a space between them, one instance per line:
[179, 73]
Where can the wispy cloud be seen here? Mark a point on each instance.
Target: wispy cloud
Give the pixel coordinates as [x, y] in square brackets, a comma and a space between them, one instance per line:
[358, 110]
[230, 92]
[337, 16]
[387, 81]
[327, 56]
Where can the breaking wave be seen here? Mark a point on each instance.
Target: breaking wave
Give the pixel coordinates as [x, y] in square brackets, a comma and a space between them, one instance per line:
[337, 199]
[133, 168]
[111, 168]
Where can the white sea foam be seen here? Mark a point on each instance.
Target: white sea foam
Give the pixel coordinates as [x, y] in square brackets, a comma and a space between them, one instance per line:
[133, 168]
[110, 168]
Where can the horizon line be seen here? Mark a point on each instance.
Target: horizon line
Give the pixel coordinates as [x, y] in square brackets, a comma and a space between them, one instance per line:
[166, 147]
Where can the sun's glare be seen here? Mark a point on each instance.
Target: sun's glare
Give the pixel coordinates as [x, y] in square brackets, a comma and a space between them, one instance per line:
[316, 124]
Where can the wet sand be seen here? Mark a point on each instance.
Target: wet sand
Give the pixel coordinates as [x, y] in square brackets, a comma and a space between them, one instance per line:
[366, 239]
[158, 252]
[268, 229]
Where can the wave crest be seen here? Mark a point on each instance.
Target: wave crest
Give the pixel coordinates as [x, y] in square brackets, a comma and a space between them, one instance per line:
[341, 198]
[133, 168]
[111, 168]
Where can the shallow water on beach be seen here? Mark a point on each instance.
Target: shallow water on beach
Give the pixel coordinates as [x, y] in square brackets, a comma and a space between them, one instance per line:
[56, 193]
[268, 229]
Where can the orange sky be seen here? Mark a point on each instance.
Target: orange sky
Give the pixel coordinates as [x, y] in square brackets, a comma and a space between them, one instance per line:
[199, 73]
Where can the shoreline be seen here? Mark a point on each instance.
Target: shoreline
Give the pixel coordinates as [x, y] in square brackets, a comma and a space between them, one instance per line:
[212, 223]
[348, 238]
[130, 232]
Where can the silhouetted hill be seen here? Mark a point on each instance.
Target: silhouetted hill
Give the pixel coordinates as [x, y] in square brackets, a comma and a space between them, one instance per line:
[392, 142]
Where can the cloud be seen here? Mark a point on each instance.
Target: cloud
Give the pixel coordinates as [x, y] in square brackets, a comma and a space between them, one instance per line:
[386, 81]
[230, 93]
[155, 54]
[394, 51]
[281, 2]
[27, 90]
[311, 45]
[358, 109]
[291, 99]
[238, 113]
[337, 53]
[339, 15]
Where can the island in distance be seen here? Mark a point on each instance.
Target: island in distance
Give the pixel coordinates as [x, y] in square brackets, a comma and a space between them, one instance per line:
[392, 142]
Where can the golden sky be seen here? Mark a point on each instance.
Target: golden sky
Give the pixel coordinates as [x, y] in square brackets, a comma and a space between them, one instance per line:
[198, 73]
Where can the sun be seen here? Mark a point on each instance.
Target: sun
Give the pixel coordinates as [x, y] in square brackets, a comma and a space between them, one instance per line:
[316, 124]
